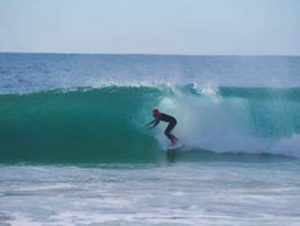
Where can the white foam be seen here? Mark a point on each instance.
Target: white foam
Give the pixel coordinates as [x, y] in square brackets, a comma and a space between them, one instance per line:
[212, 122]
[19, 220]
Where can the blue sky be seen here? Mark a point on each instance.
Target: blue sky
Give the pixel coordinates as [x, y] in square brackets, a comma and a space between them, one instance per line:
[221, 27]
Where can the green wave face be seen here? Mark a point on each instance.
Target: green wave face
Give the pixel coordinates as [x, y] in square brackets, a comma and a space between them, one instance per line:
[98, 125]
[108, 124]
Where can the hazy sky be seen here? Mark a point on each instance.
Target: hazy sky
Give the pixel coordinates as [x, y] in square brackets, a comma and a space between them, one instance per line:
[234, 27]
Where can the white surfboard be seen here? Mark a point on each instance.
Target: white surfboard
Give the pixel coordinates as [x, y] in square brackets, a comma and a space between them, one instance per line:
[173, 147]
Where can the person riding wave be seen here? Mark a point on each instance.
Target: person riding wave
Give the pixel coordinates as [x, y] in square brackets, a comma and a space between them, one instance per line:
[159, 116]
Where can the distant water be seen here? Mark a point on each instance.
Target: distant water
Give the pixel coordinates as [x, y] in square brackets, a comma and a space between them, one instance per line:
[74, 149]
[24, 73]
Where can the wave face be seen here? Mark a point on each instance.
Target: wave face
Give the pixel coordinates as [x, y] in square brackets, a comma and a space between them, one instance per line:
[108, 124]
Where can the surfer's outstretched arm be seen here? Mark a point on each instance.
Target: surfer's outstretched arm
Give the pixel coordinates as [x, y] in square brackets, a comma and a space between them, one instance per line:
[148, 124]
[154, 122]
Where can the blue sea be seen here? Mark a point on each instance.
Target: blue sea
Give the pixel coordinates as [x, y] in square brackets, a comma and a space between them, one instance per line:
[74, 148]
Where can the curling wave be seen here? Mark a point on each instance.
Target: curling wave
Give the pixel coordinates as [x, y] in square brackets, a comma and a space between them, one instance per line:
[108, 124]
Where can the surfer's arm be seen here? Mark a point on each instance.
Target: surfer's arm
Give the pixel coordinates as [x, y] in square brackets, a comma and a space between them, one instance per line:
[148, 124]
[154, 122]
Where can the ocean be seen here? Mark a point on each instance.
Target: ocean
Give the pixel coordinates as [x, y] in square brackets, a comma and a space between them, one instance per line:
[74, 148]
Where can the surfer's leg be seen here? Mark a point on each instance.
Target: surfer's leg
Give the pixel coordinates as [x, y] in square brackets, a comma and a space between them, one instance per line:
[168, 130]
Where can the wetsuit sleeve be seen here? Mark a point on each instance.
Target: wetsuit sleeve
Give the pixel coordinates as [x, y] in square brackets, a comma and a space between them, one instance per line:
[151, 122]
[154, 122]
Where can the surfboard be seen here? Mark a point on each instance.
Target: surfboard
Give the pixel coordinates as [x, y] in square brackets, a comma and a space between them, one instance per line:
[174, 147]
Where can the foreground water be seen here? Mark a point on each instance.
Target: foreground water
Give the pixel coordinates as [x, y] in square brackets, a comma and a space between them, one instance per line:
[263, 191]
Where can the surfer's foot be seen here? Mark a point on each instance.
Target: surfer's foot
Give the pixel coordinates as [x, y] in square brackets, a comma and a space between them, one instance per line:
[174, 142]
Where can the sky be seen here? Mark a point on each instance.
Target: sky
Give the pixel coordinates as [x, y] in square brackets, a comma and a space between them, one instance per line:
[184, 27]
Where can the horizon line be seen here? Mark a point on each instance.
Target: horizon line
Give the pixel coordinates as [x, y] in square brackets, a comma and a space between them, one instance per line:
[149, 54]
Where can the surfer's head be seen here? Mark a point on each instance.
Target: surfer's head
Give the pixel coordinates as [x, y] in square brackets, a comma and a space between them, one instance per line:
[155, 112]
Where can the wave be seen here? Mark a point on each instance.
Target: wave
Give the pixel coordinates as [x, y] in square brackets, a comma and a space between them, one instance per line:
[107, 124]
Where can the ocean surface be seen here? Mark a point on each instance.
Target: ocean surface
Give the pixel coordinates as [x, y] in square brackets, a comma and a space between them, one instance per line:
[74, 148]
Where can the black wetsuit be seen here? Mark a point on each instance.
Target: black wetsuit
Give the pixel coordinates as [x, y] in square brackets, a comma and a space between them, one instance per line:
[166, 118]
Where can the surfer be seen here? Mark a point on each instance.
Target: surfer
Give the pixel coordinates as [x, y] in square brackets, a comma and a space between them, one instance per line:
[159, 116]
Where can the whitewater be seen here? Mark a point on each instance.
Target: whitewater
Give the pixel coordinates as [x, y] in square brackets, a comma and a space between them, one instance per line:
[74, 149]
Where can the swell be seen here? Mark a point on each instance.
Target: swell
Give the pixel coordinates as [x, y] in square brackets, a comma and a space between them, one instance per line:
[108, 124]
